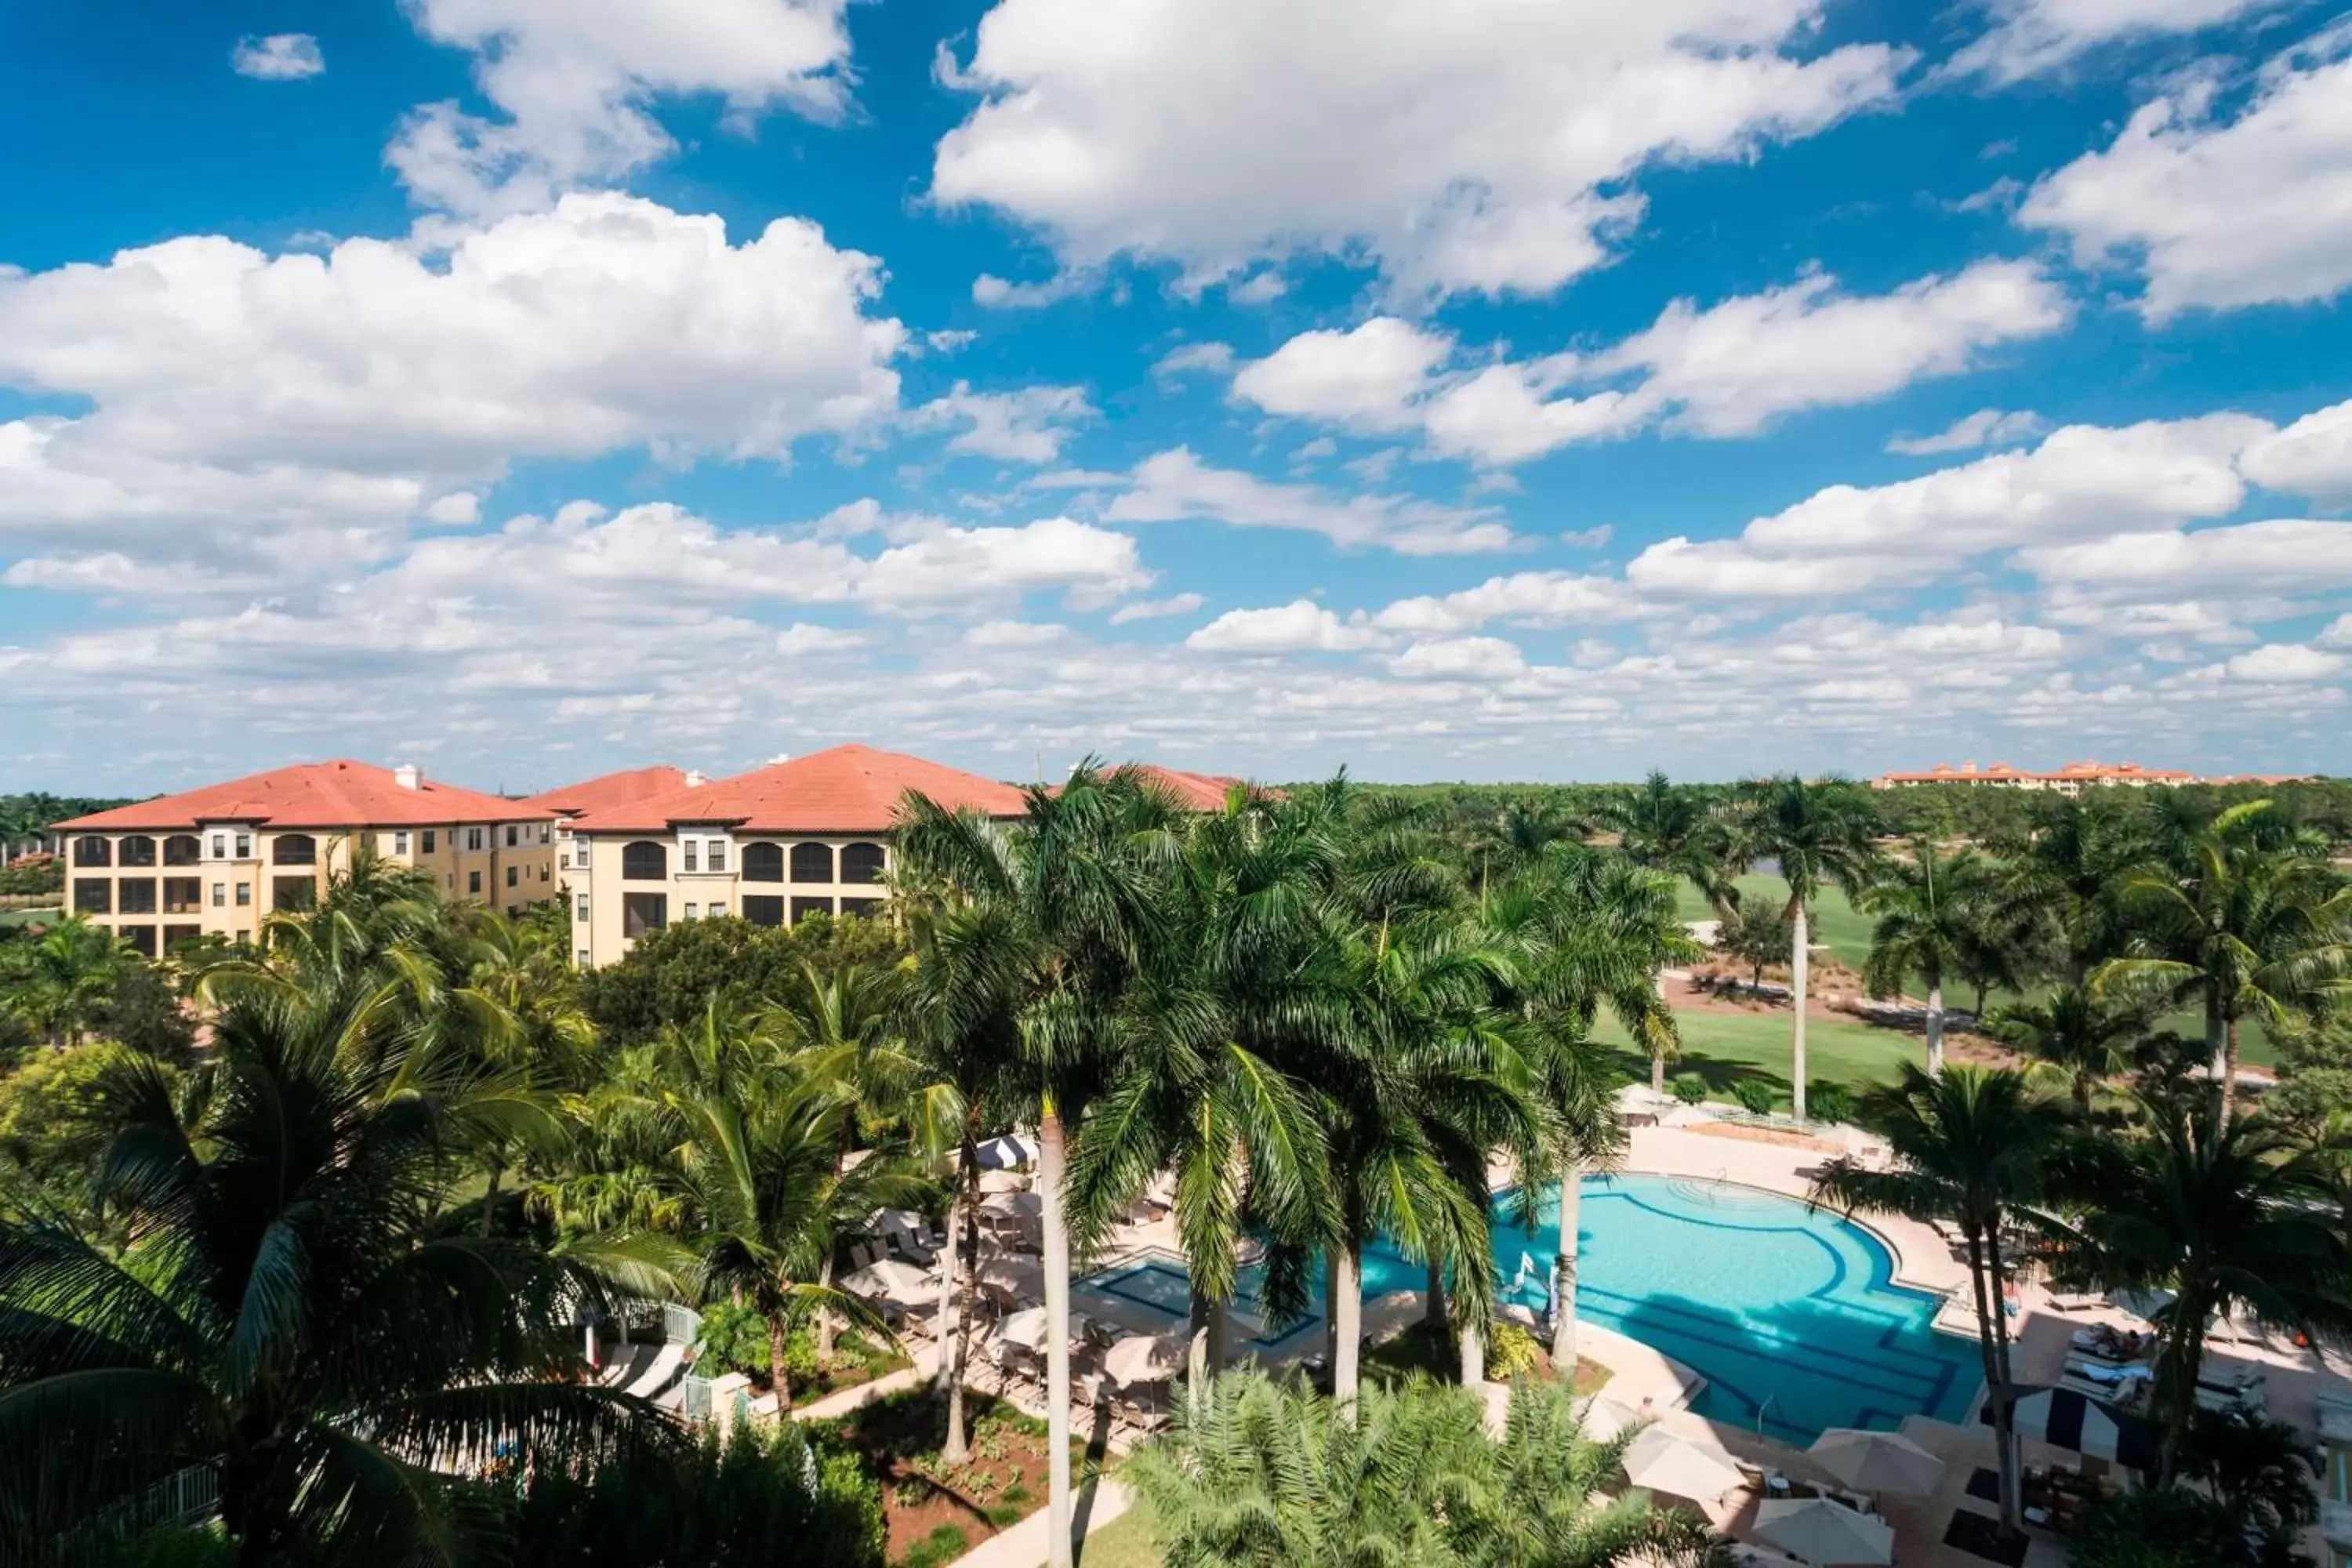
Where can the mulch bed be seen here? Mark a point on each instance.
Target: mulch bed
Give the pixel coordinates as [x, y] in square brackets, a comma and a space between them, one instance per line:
[898, 1437]
[1981, 1535]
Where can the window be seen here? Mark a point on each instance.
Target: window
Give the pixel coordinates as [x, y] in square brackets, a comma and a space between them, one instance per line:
[135, 896]
[220, 895]
[245, 845]
[719, 854]
[183, 895]
[581, 912]
[473, 882]
[220, 845]
[295, 849]
[183, 849]
[546, 831]
[642, 912]
[764, 863]
[543, 873]
[141, 938]
[645, 861]
[685, 856]
[93, 895]
[811, 863]
[581, 958]
[580, 853]
[718, 911]
[432, 837]
[763, 910]
[803, 907]
[511, 875]
[512, 833]
[179, 936]
[136, 850]
[243, 895]
[861, 863]
[473, 839]
[690, 911]
[293, 893]
[867, 908]
[400, 842]
[92, 850]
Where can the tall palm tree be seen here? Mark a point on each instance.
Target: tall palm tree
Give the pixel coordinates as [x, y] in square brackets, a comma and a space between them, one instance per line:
[1929, 906]
[2250, 929]
[1518, 835]
[2071, 862]
[289, 1315]
[1678, 830]
[2232, 1215]
[59, 982]
[1068, 898]
[1973, 1147]
[1264, 1475]
[2074, 1032]
[1820, 833]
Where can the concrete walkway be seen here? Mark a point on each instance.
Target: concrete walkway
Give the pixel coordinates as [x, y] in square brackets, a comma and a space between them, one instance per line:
[1023, 1545]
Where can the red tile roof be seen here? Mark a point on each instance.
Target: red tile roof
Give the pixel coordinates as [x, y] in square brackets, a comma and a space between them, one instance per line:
[1198, 792]
[848, 789]
[341, 794]
[609, 789]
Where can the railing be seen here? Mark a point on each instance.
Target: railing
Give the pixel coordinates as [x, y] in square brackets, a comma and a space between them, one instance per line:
[681, 1325]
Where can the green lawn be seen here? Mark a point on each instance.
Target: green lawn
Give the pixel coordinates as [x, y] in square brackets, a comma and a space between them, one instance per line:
[27, 916]
[1124, 1543]
[1723, 1048]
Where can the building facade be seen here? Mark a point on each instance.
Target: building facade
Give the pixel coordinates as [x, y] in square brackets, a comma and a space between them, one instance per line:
[773, 845]
[213, 861]
[2072, 779]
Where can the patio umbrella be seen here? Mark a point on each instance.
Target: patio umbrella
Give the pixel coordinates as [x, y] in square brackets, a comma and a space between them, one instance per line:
[1604, 1417]
[1146, 1358]
[2148, 1306]
[1662, 1461]
[1826, 1534]
[1011, 1277]
[892, 1278]
[1001, 1153]
[1025, 1329]
[904, 1223]
[1012, 1205]
[1003, 1182]
[1877, 1461]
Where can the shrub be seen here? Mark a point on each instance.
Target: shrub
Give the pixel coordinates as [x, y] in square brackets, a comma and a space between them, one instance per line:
[944, 1544]
[1827, 1101]
[1688, 1088]
[2159, 1529]
[1511, 1350]
[1755, 1095]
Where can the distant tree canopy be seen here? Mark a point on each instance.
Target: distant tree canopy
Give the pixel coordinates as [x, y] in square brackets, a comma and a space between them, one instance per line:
[670, 975]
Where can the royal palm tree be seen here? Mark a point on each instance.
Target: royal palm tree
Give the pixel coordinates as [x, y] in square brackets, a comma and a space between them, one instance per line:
[1678, 830]
[1929, 906]
[2232, 1216]
[59, 982]
[2071, 863]
[2248, 928]
[1265, 1475]
[1819, 832]
[289, 1316]
[1517, 836]
[2074, 1032]
[1973, 1147]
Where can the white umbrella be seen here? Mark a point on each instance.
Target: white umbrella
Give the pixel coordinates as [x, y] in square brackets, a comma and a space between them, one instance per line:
[894, 1222]
[1012, 1205]
[1826, 1534]
[889, 1278]
[1877, 1461]
[1663, 1462]
[1025, 1329]
[1011, 1277]
[1146, 1358]
[1000, 1153]
[1604, 1417]
[2147, 1305]
[1003, 1182]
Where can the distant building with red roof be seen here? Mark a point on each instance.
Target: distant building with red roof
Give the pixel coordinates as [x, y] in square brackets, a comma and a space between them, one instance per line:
[1198, 792]
[211, 860]
[808, 836]
[2070, 779]
[613, 789]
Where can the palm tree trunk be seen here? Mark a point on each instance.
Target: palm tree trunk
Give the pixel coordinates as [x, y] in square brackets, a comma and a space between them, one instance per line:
[778, 1379]
[954, 1354]
[2217, 1047]
[1050, 1176]
[1345, 1308]
[1935, 1029]
[1563, 1328]
[823, 1318]
[1204, 1357]
[945, 1322]
[1800, 950]
[2005, 1420]
[1657, 1073]
[1432, 1301]
[2177, 1366]
[491, 1195]
[1473, 1355]
[2004, 1415]
[2229, 1070]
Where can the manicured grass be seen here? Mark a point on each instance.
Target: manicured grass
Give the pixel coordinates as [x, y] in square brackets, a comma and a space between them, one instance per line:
[28, 916]
[1124, 1543]
[1724, 1048]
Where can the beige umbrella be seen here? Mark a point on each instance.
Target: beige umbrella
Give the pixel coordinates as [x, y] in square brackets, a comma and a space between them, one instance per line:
[1828, 1534]
[1604, 1418]
[1663, 1462]
[1004, 1181]
[889, 1278]
[1877, 1461]
[1146, 1358]
[1012, 1205]
[1025, 1329]
[1011, 1277]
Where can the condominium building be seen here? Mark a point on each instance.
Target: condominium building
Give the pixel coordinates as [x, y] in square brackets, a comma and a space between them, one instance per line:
[213, 861]
[624, 788]
[2070, 779]
[776, 845]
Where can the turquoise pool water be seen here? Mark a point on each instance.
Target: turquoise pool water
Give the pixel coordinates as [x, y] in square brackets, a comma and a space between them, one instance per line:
[1792, 1317]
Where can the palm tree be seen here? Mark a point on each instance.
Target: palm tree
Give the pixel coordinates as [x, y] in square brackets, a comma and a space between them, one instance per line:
[2071, 863]
[289, 1316]
[1678, 830]
[1929, 905]
[59, 982]
[1971, 1147]
[2250, 929]
[1264, 1474]
[541, 1032]
[1066, 897]
[1821, 833]
[1518, 835]
[2232, 1216]
[2075, 1033]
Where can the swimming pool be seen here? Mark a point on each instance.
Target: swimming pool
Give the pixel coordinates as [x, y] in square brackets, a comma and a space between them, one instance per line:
[1791, 1316]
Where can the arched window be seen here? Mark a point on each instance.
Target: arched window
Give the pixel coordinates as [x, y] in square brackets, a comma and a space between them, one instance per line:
[764, 863]
[183, 849]
[295, 849]
[138, 849]
[812, 862]
[645, 861]
[92, 850]
[861, 863]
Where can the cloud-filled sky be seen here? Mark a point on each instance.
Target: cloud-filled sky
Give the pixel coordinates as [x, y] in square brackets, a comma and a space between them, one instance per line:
[1486, 390]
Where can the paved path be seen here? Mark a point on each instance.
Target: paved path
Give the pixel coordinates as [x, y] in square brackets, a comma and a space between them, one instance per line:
[1023, 1545]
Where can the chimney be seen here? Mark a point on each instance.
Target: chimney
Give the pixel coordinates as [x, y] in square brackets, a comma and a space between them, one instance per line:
[406, 776]
[695, 779]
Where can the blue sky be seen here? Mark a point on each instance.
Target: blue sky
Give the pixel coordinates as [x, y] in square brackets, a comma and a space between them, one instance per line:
[1493, 390]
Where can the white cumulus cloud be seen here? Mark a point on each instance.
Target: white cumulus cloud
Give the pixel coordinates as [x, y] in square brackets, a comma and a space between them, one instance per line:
[277, 57]
[1176, 485]
[1300, 627]
[2029, 38]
